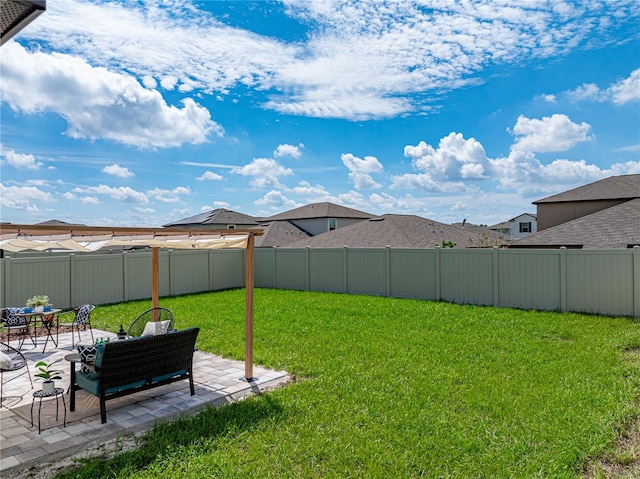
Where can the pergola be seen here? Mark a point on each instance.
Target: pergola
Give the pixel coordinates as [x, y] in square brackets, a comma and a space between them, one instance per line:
[16, 237]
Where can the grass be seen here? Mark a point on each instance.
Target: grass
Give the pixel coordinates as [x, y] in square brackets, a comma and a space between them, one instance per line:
[395, 387]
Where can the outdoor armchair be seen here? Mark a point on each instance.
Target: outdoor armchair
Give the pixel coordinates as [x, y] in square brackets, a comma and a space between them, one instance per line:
[163, 318]
[11, 360]
[82, 319]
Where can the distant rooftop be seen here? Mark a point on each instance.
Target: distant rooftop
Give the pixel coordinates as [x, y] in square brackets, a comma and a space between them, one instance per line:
[218, 216]
[319, 210]
[401, 231]
[612, 188]
[614, 227]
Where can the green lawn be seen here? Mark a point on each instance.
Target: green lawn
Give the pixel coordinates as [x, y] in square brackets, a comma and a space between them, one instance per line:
[395, 388]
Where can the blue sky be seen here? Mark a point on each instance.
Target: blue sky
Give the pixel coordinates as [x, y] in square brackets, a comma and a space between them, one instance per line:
[133, 113]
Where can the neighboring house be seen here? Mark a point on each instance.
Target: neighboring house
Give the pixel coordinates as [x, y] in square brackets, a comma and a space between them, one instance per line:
[518, 227]
[281, 229]
[317, 218]
[614, 227]
[587, 199]
[220, 218]
[402, 231]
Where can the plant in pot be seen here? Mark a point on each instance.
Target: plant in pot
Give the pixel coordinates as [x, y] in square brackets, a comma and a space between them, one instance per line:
[38, 302]
[48, 375]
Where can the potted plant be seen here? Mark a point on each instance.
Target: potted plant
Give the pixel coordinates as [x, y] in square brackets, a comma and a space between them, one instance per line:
[48, 375]
[38, 302]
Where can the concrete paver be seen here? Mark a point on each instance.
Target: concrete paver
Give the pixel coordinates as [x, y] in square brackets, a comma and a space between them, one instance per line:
[218, 381]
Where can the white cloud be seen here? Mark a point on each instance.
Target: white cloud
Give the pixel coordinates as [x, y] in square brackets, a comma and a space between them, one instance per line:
[264, 172]
[619, 93]
[209, 176]
[586, 91]
[548, 98]
[117, 170]
[122, 193]
[360, 59]
[90, 200]
[360, 170]
[20, 160]
[275, 199]
[626, 91]
[552, 133]
[23, 197]
[288, 150]
[168, 196]
[98, 103]
[454, 159]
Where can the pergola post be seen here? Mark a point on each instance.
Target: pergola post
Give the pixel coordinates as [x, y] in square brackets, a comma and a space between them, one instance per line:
[155, 278]
[248, 341]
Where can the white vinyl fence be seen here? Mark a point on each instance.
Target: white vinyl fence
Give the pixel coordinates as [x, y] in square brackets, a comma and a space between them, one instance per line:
[595, 281]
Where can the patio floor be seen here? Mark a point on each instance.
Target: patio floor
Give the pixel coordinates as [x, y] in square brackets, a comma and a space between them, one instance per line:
[217, 381]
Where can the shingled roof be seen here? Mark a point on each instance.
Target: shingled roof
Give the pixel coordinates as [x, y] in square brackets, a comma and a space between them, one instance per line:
[279, 233]
[400, 231]
[614, 227]
[217, 216]
[319, 210]
[612, 188]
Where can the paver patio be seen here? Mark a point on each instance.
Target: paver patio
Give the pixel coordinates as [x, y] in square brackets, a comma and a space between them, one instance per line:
[217, 381]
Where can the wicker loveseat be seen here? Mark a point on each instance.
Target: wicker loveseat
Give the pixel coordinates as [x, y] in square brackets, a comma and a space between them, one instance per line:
[132, 365]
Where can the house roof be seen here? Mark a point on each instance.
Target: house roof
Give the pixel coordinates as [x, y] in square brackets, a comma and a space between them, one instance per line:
[217, 216]
[614, 227]
[279, 233]
[400, 231]
[505, 224]
[319, 210]
[612, 188]
[17, 14]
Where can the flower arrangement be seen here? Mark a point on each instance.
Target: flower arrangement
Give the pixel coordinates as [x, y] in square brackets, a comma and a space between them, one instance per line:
[38, 300]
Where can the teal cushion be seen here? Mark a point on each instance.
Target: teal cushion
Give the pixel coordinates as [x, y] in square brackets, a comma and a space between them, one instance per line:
[125, 387]
[99, 354]
[168, 376]
[89, 384]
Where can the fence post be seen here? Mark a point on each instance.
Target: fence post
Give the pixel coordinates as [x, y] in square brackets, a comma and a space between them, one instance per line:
[346, 269]
[563, 278]
[7, 281]
[308, 275]
[437, 272]
[125, 273]
[72, 274]
[496, 279]
[274, 263]
[388, 266]
[636, 281]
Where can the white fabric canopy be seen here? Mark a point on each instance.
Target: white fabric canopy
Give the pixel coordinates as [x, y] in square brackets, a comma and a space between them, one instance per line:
[20, 242]
[80, 238]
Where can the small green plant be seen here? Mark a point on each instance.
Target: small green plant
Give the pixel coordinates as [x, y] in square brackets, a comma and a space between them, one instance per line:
[47, 374]
[446, 244]
[38, 300]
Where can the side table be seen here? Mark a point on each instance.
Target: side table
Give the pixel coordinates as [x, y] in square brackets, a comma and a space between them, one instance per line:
[42, 395]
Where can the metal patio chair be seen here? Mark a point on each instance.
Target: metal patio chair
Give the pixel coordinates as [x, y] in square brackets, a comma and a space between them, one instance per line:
[137, 328]
[81, 320]
[18, 362]
[14, 323]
